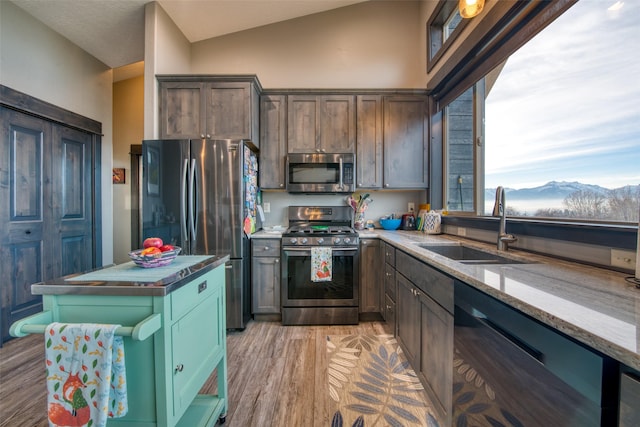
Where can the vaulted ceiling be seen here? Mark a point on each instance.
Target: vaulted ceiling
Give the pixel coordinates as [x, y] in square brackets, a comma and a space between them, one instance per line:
[113, 30]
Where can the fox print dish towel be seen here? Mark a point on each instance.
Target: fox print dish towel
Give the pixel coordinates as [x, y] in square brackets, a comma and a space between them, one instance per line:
[321, 268]
[86, 378]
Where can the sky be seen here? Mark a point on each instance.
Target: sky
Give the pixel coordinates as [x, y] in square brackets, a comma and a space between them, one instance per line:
[566, 107]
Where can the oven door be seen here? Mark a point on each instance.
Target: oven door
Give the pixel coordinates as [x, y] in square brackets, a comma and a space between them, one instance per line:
[299, 291]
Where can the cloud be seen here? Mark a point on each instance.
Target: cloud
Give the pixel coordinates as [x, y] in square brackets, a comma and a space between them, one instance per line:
[566, 103]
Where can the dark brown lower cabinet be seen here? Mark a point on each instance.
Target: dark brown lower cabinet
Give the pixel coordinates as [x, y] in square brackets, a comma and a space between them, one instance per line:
[265, 277]
[389, 312]
[47, 208]
[425, 328]
[371, 292]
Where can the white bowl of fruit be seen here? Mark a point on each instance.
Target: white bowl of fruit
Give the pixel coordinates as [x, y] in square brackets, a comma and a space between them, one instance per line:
[155, 253]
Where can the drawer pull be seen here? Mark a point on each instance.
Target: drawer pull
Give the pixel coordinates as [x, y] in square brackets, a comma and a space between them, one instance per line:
[179, 368]
[202, 287]
[266, 248]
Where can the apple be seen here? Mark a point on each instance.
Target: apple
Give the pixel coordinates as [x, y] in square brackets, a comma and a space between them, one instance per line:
[152, 242]
[165, 248]
[150, 251]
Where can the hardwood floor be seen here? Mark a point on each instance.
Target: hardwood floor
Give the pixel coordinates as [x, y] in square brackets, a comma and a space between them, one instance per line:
[275, 376]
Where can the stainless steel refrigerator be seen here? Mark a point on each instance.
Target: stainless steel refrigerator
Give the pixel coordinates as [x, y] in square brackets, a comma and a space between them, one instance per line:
[201, 195]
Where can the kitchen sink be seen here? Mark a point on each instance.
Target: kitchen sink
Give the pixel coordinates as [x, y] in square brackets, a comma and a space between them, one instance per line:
[467, 255]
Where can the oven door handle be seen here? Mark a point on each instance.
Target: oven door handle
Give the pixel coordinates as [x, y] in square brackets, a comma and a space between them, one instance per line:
[307, 250]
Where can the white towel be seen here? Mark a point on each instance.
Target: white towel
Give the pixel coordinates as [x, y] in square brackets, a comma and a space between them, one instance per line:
[321, 263]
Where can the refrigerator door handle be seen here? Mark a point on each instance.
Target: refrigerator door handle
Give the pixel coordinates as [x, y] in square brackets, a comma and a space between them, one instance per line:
[183, 204]
[192, 204]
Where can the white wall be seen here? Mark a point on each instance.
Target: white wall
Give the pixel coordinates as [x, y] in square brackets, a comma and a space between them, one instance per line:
[375, 44]
[166, 51]
[41, 63]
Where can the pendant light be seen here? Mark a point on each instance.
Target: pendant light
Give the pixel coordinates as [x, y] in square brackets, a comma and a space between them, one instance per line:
[470, 8]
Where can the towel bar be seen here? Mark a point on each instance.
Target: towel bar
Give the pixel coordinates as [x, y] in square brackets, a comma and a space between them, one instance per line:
[37, 323]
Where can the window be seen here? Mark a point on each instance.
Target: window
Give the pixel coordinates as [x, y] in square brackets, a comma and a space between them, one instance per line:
[460, 155]
[451, 24]
[560, 123]
[442, 29]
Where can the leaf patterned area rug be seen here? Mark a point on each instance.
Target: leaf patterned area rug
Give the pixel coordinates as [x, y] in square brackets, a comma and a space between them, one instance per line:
[372, 384]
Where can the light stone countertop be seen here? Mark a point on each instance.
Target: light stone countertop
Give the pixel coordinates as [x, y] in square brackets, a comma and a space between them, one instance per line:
[268, 234]
[592, 305]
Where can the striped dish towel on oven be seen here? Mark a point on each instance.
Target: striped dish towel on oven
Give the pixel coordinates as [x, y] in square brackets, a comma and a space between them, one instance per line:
[321, 263]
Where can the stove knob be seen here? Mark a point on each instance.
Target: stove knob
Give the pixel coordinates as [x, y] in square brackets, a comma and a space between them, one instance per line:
[293, 240]
[320, 240]
[347, 240]
[336, 240]
[304, 241]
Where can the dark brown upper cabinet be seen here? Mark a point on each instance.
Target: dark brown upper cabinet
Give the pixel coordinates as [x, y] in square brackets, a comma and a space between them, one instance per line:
[220, 107]
[321, 124]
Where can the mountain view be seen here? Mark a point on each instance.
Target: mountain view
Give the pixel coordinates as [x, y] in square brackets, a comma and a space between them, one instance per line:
[571, 200]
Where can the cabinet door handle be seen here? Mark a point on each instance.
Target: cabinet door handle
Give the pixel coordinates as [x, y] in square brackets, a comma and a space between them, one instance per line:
[277, 261]
[202, 287]
[179, 368]
[281, 185]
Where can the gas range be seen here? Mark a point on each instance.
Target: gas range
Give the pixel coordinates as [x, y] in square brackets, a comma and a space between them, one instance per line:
[333, 300]
[320, 226]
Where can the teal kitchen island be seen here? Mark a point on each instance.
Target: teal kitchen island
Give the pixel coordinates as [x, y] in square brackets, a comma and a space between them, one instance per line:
[174, 326]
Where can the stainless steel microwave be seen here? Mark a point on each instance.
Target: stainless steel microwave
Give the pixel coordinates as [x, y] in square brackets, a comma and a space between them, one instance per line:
[321, 173]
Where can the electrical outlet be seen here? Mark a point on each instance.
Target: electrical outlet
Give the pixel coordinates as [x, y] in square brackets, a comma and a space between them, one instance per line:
[623, 259]
[411, 207]
[462, 231]
[266, 207]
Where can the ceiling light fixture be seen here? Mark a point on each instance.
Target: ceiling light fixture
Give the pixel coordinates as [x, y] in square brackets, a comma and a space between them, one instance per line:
[470, 8]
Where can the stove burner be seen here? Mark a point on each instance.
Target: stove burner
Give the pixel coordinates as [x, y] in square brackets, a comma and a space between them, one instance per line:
[320, 229]
[330, 228]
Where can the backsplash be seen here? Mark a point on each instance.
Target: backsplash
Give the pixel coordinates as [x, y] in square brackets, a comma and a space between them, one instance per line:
[384, 202]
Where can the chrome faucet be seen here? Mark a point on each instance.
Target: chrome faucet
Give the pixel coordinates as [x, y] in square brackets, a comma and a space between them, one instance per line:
[499, 209]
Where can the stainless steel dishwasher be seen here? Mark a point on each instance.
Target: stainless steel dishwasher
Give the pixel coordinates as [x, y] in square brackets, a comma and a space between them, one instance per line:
[510, 369]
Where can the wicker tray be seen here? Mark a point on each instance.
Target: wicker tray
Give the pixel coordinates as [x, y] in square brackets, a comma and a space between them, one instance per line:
[154, 260]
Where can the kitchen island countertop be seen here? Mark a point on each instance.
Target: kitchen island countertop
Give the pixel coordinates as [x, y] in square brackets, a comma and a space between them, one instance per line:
[130, 280]
[595, 306]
